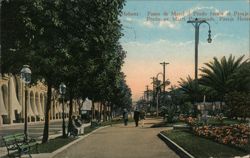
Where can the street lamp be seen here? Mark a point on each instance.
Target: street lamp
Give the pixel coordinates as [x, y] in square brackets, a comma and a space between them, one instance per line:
[196, 23]
[26, 78]
[160, 73]
[62, 91]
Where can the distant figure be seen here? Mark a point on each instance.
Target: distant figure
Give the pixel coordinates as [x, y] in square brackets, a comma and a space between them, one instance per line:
[136, 117]
[125, 117]
[142, 116]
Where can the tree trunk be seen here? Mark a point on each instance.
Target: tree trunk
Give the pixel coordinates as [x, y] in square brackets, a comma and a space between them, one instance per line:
[111, 111]
[70, 111]
[104, 112]
[79, 106]
[93, 110]
[47, 110]
[100, 114]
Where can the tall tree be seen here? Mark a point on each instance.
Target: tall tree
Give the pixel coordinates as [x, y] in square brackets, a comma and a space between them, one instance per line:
[37, 41]
[46, 47]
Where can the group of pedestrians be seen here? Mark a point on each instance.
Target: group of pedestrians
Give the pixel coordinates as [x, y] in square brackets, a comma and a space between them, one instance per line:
[139, 115]
[78, 128]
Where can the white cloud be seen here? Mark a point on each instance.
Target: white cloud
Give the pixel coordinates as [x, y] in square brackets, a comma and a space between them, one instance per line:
[148, 24]
[167, 24]
[128, 19]
[222, 35]
[159, 24]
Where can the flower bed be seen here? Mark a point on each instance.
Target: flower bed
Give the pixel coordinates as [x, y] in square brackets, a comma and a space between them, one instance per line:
[201, 147]
[188, 120]
[236, 134]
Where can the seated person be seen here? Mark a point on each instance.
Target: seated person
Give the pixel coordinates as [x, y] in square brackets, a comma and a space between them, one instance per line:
[79, 124]
[74, 128]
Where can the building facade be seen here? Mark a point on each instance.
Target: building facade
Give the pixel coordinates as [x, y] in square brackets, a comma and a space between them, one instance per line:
[12, 102]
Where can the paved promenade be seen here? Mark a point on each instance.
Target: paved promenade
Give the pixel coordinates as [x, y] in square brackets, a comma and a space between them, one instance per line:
[121, 141]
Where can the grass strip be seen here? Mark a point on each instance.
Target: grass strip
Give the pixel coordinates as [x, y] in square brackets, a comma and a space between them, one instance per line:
[53, 144]
[202, 147]
[166, 124]
[58, 142]
[216, 122]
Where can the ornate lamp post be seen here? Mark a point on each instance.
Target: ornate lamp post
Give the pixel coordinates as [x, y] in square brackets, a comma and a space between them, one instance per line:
[26, 78]
[196, 23]
[62, 91]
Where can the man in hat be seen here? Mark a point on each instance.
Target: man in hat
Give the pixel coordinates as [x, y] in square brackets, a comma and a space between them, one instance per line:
[136, 116]
[125, 116]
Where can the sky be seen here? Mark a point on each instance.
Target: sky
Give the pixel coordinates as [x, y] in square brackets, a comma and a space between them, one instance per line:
[157, 30]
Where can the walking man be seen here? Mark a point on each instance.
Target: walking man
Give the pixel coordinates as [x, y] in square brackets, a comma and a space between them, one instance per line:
[125, 117]
[136, 117]
[142, 116]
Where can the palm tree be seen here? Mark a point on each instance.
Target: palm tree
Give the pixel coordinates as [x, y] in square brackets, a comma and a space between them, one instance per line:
[240, 80]
[188, 86]
[218, 75]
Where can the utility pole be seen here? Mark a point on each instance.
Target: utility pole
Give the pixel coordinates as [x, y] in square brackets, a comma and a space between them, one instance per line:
[153, 91]
[164, 80]
[147, 96]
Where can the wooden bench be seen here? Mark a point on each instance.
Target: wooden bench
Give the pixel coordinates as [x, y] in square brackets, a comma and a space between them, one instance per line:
[19, 144]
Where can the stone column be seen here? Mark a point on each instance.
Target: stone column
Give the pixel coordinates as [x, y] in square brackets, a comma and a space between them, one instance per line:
[29, 108]
[5, 94]
[54, 112]
[33, 104]
[10, 109]
[20, 95]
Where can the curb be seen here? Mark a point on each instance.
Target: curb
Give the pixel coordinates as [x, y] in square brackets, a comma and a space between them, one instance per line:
[175, 147]
[51, 155]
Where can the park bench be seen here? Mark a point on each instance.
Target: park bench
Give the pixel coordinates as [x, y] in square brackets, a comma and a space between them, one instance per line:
[19, 144]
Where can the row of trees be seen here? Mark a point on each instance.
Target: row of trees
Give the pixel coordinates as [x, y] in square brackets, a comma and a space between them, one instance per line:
[70, 41]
